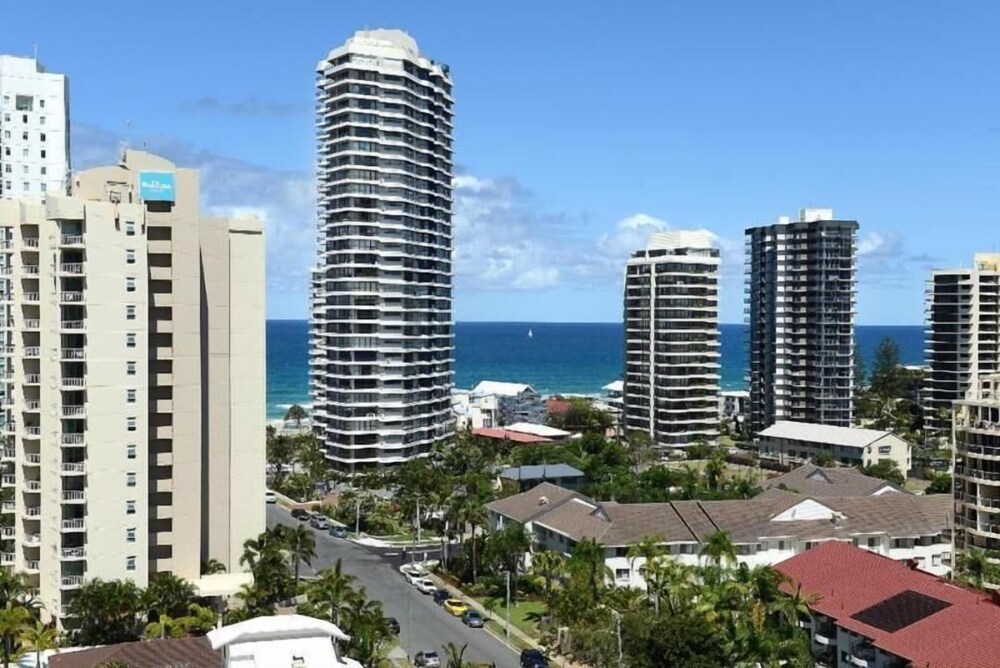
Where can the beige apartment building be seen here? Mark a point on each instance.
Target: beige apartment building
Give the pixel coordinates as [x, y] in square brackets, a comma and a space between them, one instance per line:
[132, 380]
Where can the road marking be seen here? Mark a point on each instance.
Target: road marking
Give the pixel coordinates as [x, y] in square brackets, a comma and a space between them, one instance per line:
[391, 554]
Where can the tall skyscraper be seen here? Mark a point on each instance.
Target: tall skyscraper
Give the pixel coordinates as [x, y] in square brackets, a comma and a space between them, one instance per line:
[381, 333]
[131, 381]
[963, 320]
[800, 300]
[671, 317]
[34, 129]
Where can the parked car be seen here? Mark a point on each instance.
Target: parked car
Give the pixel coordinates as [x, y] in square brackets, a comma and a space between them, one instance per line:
[412, 572]
[270, 497]
[318, 521]
[532, 658]
[300, 514]
[472, 619]
[455, 607]
[425, 586]
[393, 624]
[441, 595]
[427, 660]
[338, 531]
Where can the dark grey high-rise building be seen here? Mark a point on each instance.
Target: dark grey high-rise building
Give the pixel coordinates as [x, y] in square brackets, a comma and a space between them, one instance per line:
[800, 298]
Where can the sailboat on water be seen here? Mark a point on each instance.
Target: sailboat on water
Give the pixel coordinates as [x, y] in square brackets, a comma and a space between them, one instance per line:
[530, 334]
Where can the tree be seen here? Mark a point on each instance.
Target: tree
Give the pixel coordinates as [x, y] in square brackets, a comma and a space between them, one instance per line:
[168, 595]
[941, 484]
[490, 604]
[301, 545]
[14, 621]
[548, 565]
[715, 470]
[886, 378]
[824, 458]
[212, 567]
[719, 549]
[587, 562]
[975, 568]
[366, 624]
[886, 470]
[505, 548]
[455, 656]
[330, 591]
[108, 612]
[40, 638]
[297, 414]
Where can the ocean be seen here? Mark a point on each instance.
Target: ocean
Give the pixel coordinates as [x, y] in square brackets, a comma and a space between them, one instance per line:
[571, 358]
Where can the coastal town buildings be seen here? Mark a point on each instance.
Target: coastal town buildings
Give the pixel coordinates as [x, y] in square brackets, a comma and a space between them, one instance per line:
[34, 129]
[671, 313]
[801, 442]
[132, 381]
[800, 304]
[381, 325]
[977, 469]
[962, 327]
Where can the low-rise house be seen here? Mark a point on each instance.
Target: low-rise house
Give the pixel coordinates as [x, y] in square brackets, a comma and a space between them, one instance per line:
[524, 432]
[732, 404]
[295, 641]
[507, 403]
[813, 480]
[766, 530]
[614, 395]
[563, 475]
[800, 442]
[873, 611]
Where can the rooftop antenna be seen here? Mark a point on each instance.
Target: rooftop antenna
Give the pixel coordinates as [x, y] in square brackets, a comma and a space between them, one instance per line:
[123, 145]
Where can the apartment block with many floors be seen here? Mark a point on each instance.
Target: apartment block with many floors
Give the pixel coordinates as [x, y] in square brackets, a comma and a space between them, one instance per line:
[381, 329]
[671, 389]
[132, 380]
[800, 303]
[976, 435]
[962, 335]
[34, 129]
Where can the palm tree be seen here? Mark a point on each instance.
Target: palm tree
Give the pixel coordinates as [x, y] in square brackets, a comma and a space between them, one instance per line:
[475, 516]
[455, 655]
[14, 621]
[301, 544]
[715, 470]
[296, 413]
[719, 549]
[548, 565]
[212, 567]
[975, 567]
[588, 562]
[332, 590]
[40, 638]
[648, 549]
[365, 623]
[168, 595]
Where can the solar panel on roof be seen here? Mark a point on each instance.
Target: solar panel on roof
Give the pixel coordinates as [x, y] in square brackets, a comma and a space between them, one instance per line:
[899, 611]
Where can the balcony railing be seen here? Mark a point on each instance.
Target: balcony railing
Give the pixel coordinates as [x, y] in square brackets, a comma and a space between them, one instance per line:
[33, 539]
[31, 296]
[72, 324]
[33, 485]
[73, 381]
[7, 558]
[33, 511]
[73, 552]
[71, 267]
[71, 240]
[33, 458]
[30, 269]
[32, 351]
[74, 410]
[73, 495]
[31, 405]
[8, 480]
[32, 379]
[33, 431]
[70, 525]
[30, 242]
[8, 532]
[32, 565]
[8, 506]
[73, 353]
[72, 439]
[74, 467]
[32, 323]
[71, 580]
[71, 296]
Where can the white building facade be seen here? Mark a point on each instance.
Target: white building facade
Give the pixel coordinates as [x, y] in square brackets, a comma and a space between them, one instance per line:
[381, 329]
[671, 312]
[800, 304]
[34, 129]
[801, 442]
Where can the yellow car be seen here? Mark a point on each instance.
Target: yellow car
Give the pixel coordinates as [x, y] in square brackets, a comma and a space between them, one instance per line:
[455, 607]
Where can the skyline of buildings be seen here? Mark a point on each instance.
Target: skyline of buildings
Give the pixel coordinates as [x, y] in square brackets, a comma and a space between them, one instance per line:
[381, 327]
[671, 315]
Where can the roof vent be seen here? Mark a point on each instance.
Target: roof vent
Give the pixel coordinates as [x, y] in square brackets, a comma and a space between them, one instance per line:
[543, 500]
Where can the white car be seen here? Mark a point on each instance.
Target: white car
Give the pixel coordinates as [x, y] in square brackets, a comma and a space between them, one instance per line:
[412, 573]
[270, 497]
[425, 586]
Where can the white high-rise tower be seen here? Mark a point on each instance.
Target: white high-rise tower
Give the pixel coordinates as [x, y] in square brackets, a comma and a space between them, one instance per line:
[381, 334]
[34, 129]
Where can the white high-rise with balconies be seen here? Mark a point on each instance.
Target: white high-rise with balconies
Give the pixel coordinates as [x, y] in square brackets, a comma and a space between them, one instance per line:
[381, 330]
[34, 129]
[671, 389]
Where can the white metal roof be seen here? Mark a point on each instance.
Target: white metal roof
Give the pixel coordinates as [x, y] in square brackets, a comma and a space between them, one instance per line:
[537, 430]
[615, 386]
[503, 389]
[850, 437]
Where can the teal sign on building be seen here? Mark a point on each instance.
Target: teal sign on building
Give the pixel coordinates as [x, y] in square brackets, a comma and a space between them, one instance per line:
[156, 186]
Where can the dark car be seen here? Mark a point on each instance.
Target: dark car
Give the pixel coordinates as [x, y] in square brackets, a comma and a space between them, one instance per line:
[393, 624]
[300, 514]
[441, 595]
[532, 658]
[338, 532]
[472, 619]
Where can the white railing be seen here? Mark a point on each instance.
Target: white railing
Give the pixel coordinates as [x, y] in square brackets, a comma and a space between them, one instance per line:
[72, 580]
[73, 353]
[73, 381]
[32, 378]
[71, 240]
[8, 506]
[74, 524]
[73, 552]
[32, 323]
[8, 532]
[71, 296]
[33, 539]
[9, 479]
[33, 431]
[74, 467]
[72, 324]
[30, 269]
[73, 495]
[32, 351]
[30, 242]
[72, 411]
[33, 511]
[7, 558]
[33, 485]
[32, 565]
[71, 268]
[9, 453]
[33, 458]
[72, 439]
[32, 405]
[31, 296]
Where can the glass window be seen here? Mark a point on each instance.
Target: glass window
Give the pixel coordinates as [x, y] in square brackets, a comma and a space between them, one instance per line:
[129, 284]
[130, 507]
[130, 479]
[27, 186]
[130, 535]
[130, 451]
[43, 152]
[130, 563]
[42, 136]
[45, 170]
[130, 396]
[41, 103]
[44, 187]
[129, 228]
[130, 424]
[129, 368]
[130, 340]
[129, 256]
[24, 153]
[41, 120]
[130, 311]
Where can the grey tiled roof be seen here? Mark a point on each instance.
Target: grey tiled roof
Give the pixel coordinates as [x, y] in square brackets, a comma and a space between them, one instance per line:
[814, 480]
[541, 472]
[528, 505]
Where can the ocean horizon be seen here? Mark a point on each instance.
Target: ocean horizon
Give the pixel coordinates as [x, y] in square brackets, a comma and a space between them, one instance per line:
[558, 358]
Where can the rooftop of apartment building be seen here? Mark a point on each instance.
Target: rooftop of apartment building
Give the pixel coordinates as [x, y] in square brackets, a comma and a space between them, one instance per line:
[813, 480]
[905, 612]
[845, 437]
[501, 388]
[772, 514]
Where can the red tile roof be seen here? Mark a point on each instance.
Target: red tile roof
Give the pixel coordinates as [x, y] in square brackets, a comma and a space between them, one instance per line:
[557, 405]
[506, 435]
[848, 580]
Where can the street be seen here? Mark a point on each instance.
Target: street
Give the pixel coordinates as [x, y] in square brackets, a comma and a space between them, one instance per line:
[423, 624]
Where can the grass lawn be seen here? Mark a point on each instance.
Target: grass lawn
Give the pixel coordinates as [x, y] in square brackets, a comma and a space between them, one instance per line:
[519, 614]
[497, 629]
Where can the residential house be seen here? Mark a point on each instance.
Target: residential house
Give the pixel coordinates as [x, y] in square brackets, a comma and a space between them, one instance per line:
[812, 480]
[801, 442]
[527, 477]
[507, 403]
[873, 611]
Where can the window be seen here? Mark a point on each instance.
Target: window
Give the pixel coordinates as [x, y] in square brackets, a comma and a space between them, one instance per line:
[45, 170]
[130, 340]
[24, 153]
[130, 563]
[43, 152]
[41, 104]
[24, 118]
[130, 424]
[24, 169]
[130, 535]
[129, 368]
[130, 479]
[130, 451]
[873, 542]
[24, 136]
[129, 228]
[42, 136]
[44, 187]
[130, 396]
[782, 545]
[129, 284]
[130, 311]
[27, 186]
[7, 168]
[130, 507]
[885, 449]
[129, 256]
[621, 574]
[41, 120]
[936, 560]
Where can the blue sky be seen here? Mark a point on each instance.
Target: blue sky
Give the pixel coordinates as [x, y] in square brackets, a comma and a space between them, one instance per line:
[580, 128]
